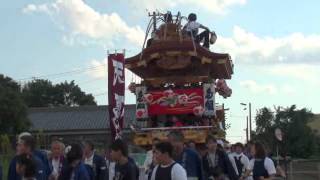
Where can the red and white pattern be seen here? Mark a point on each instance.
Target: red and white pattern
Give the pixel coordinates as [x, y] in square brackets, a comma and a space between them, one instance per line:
[116, 87]
[141, 102]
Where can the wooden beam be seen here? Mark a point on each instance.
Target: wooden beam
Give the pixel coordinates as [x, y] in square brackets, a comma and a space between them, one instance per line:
[205, 60]
[173, 53]
[154, 55]
[192, 53]
[221, 61]
[142, 63]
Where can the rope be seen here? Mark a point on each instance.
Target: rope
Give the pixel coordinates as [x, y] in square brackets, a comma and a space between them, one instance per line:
[178, 21]
[165, 28]
[146, 36]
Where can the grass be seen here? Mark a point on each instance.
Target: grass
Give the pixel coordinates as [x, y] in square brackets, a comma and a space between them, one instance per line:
[5, 161]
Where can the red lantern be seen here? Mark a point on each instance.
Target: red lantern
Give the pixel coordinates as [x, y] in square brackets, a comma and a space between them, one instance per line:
[140, 113]
[223, 89]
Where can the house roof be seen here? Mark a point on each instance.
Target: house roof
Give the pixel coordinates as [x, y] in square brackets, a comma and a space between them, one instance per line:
[75, 118]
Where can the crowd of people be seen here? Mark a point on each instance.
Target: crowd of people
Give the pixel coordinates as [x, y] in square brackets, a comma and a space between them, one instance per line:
[212, 161]
[167, 160]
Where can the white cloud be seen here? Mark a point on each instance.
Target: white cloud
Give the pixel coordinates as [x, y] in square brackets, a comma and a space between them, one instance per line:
[29, 8]
[287, 89]
[306, 73]
[102, 71]
[32, 8]
[294, 56]
[271, 89]
[78, 19]
[214, 6]
[256, 88]
[246, 47]
[297, 71]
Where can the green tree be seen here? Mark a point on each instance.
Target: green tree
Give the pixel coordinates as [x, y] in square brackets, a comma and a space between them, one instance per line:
[299, 139]
[42, 93]
[39, 93]
[13, 111]
[70, 94]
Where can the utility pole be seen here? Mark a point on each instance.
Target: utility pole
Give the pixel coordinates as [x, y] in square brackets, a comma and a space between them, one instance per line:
[249, 127]
[247, 131]
[250, 121]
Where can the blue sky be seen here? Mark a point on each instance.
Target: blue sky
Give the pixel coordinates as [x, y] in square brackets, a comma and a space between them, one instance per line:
[274, 44]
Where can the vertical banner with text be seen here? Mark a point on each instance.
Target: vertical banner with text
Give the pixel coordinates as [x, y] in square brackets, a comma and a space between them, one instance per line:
[209, 99]
[141, 104]
[116, 87]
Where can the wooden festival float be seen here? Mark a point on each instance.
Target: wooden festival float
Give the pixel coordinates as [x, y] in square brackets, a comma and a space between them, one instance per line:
[179, 81]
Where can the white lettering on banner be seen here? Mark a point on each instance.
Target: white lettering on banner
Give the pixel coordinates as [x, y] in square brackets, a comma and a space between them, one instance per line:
[118, 72]
[141, 105]
[209, 99]
[118, 112]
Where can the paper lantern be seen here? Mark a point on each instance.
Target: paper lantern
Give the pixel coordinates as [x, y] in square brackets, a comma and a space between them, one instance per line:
[148, 98]
[140, 113]
[213, 37]
[198, 110]
[183, 99]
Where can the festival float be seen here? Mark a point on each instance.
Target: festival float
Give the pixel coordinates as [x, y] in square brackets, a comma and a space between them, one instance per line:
[180, 80]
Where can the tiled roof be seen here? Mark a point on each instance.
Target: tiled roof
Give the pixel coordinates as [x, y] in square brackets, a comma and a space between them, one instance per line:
[75, 118]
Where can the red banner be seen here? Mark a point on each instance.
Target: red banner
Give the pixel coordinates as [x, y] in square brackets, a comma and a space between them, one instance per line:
[116, 85]
[177, 101]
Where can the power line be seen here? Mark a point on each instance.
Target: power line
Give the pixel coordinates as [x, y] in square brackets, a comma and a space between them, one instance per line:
[92, 68]
[100, 94]
[240, 117]
[91, 80]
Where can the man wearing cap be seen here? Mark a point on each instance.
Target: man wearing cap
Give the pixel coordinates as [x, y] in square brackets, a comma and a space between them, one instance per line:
[216, 164]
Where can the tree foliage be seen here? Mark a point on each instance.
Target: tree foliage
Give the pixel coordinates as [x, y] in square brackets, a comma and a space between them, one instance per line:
[70, 94]
[42, 93]
[39, 93]
[15, 100]
[13, 111]
[299, 139]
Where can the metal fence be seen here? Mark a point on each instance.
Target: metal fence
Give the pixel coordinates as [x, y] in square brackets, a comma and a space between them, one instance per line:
[303, 170]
